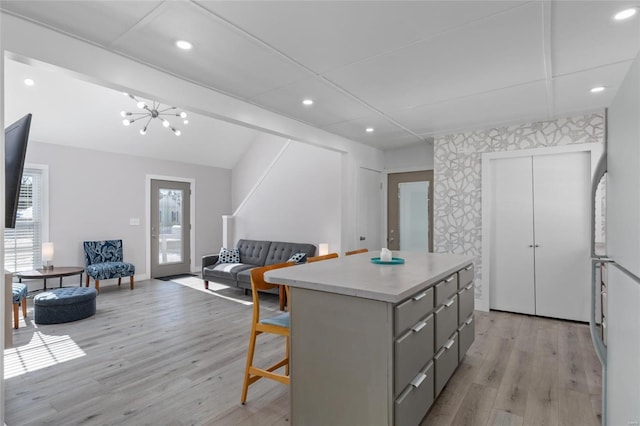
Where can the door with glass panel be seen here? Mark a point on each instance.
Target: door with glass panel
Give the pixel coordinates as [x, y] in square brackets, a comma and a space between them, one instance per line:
[170, 228]
[410, 211]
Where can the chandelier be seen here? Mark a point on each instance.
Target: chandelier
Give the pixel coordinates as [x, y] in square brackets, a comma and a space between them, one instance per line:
[156, 110]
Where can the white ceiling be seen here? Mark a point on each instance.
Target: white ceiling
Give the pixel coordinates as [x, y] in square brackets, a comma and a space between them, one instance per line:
[409, 69]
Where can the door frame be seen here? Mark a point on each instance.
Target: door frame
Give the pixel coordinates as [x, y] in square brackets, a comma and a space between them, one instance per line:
[192, 218]
[595, 149]
[430, 197]
[385, 191]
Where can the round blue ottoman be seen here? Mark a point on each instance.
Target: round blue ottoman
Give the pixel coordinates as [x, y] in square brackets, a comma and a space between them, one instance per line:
[64, 305]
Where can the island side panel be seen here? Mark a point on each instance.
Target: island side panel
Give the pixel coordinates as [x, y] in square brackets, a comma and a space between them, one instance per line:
[341, 360]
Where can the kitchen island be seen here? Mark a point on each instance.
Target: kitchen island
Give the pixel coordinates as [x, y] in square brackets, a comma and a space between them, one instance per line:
[375, 344]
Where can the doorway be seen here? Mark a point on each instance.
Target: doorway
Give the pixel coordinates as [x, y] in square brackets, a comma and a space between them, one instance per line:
[170, 228]
[410, 211]
[369, 210]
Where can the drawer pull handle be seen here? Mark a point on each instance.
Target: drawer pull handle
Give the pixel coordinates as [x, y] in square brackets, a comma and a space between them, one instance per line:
[469, 287]
[469, 321]
[468, 267]
[449, 303]
[419, 296]
[417, 381]
[448, 345]
[419, 326]
[448, 280]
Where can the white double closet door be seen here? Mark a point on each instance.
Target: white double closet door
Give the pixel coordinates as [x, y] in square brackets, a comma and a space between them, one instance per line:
[540, 235]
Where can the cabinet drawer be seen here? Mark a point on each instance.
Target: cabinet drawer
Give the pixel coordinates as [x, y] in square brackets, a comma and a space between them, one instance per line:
[445, 288]
[466, 335]
[446, 321]
[466, 300]
[415, 400]
[411, 310]
[465, 276]
[412, 351]
[446, 361]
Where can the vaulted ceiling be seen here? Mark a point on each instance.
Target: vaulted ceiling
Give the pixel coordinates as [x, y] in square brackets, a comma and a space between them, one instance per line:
[409, 70]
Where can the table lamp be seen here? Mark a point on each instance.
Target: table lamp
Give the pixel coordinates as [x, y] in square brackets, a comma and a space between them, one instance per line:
[47, 256]
[323, 248]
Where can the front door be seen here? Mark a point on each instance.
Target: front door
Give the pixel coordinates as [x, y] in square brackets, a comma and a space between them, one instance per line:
[410, 211]
[170, 228]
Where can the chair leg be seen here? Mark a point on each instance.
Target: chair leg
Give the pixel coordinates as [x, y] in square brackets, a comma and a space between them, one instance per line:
[98, 286]
[15, 315]
[131, 282]
[87, 281]
[119, 281]
[24, 307]
[286, 351]
[250, 352]
[206, 285]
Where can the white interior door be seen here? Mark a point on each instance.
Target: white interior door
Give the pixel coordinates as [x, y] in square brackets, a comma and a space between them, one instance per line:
[369, 210]
[512, 254]
[561, 193]
[414, 216]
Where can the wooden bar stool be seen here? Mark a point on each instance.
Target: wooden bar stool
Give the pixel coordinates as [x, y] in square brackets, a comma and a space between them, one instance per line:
[362, 250]
[278, 324]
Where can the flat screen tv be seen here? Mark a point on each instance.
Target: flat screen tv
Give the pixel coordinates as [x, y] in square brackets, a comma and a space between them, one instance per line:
[16, 137]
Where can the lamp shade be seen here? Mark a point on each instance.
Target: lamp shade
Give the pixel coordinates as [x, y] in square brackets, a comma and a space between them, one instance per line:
[47, 252]
[323, 248]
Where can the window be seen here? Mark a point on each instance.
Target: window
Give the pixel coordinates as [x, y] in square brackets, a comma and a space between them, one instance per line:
[23, 245]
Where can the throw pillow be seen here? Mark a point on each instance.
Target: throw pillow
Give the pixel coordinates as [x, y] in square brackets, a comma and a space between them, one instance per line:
[298, 258]
[229, 255]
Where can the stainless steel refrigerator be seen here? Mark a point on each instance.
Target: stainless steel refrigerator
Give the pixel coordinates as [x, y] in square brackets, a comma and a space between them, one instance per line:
[615, 297]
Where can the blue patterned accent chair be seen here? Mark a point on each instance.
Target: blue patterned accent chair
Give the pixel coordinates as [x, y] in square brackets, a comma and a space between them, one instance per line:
[19, 295]
[104, 260]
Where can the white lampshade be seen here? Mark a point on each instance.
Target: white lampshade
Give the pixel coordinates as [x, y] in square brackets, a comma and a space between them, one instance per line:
[47, 252]
[323, 248]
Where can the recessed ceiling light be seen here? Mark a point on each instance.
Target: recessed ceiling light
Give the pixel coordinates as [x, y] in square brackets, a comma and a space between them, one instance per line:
[29, 82]
[369, 129]
[625, 14]
[597, 89]
[307, 102]
[184, 45]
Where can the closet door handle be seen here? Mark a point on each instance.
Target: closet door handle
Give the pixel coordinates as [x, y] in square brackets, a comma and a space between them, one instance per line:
[530, 245]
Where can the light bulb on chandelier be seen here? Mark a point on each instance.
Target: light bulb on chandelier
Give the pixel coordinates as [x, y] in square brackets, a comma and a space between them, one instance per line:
[155, 111]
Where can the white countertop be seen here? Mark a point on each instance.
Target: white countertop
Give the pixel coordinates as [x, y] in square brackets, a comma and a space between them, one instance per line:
[356, 276]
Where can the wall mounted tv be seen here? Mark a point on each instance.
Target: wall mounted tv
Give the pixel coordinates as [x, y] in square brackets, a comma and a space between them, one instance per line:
[16, 137]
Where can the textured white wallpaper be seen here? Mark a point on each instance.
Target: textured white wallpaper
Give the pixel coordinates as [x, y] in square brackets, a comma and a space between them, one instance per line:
[458, 170]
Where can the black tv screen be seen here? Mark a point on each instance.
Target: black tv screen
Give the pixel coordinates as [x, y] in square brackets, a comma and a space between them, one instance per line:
[16, 137]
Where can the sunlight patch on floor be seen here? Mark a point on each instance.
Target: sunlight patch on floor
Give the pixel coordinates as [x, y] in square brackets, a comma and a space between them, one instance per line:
[41, 352]
[198, 284]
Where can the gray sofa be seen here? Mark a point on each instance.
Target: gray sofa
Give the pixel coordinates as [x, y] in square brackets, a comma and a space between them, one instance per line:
[253, 253]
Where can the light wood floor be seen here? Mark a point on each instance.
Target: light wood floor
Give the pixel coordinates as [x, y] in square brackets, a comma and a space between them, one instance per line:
[166, 354]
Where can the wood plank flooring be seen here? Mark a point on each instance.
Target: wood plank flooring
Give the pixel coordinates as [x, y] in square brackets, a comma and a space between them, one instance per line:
[167, 354]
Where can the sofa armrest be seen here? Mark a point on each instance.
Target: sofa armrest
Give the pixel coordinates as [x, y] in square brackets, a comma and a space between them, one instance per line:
[209, 259]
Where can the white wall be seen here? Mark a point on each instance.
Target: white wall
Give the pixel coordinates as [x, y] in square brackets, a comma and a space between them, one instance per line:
[92, 195]
[252, 166]
[415, 157]
[299, 199]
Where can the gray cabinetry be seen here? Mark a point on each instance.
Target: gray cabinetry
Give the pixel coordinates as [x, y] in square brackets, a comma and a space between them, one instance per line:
[428, 351]
[374, 345]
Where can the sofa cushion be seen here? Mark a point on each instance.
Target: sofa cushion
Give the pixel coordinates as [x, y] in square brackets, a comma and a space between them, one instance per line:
[229, 255]
[253, 252]
[225, 270]
[280, 252]
[298, 258]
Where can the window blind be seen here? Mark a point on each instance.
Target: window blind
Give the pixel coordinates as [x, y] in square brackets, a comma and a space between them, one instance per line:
[23, 245]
